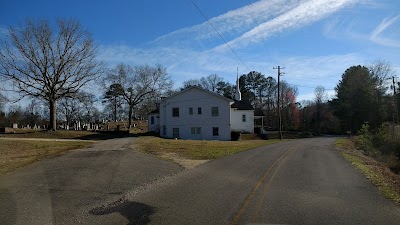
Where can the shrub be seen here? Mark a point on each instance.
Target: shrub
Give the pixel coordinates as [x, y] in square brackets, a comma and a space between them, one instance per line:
[235, 135]
[393, 163]
[382, 136]
[382, 145]
[364, 140]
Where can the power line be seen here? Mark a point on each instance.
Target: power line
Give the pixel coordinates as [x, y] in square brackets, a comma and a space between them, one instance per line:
[209, 22]
[297, 85]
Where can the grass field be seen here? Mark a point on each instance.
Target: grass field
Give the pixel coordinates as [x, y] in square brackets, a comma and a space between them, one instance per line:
[64, 134]
[387, 182]
[193, 149]
[17, 153]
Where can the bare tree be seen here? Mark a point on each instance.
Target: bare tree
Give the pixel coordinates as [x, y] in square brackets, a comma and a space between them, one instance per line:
[49, 63]
[78, 108]
[319, 93]
[3, 101]
[140, 83]
[69, 109]
[191, 82]
[211, 82]
[381, 70]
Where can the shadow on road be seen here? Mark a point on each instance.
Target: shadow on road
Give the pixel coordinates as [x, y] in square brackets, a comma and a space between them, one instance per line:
[135, 212]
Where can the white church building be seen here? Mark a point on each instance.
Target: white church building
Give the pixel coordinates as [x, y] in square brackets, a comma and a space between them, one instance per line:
[198, 114]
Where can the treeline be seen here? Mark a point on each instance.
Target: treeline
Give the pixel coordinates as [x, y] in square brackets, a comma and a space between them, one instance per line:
[124, 91]
[55, 65]
[36, 112]
[367, 104]
[364, 95]
[262, 91]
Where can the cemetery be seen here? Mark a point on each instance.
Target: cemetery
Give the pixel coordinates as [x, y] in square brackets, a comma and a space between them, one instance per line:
[104, 126]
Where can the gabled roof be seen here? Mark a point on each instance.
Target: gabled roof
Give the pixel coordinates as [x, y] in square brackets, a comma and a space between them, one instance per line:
[242, 105]
[198, 88]
[156, 111]
[258, 112]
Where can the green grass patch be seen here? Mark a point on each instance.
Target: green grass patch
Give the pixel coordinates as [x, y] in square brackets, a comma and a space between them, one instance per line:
[195, 149]
[344, 143]
[17, 153]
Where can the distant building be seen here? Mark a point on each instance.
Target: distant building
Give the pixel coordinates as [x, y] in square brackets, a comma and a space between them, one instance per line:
[198, 114]
[154, 121]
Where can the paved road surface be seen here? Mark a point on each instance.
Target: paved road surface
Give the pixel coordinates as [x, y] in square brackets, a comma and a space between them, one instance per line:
[295, 182]
[64, 189]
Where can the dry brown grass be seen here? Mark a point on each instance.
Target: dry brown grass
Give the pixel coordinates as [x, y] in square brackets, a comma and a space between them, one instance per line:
[63, 134]
[59, 134]
[17, 153]
[378, 173]
[194, 149]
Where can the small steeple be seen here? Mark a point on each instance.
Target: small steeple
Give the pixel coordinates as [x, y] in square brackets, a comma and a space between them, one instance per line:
[238, 95]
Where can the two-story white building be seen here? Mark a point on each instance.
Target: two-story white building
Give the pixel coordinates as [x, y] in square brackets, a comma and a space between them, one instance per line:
[198, 114]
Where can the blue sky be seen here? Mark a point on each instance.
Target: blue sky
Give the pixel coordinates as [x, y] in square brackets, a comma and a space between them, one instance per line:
[315, 40]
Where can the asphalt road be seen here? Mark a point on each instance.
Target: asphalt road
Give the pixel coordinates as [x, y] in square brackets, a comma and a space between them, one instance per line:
[64, 189]
[295, 182]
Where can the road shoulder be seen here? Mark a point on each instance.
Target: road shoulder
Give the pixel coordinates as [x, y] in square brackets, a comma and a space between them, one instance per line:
[387, 182]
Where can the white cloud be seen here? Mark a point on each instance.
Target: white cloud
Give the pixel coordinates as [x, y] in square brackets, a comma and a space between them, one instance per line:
[183, 64]
[343, 28]
[320, 68]
[253, 23]
[302, 15]
[311, 71]
[310, 96]
[230, 24]
[3, 31]
[378, 32]
[190, 61]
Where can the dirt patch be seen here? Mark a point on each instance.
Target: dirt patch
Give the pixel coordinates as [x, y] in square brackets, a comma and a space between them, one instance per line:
[184, 162]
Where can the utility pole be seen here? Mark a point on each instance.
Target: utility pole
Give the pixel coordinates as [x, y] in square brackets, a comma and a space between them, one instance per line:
[279, 102]
[396, 114]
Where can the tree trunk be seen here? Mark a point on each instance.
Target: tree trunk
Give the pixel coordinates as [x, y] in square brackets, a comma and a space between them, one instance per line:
[318, 130]
[53, 121]
[115, 109]
[268, 112]
[130, 116]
